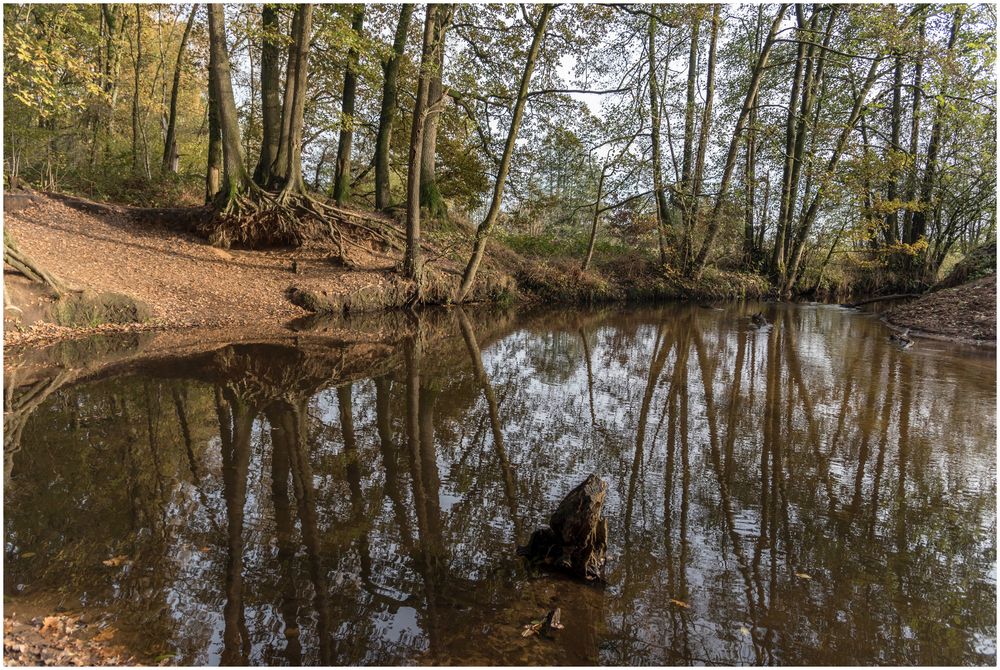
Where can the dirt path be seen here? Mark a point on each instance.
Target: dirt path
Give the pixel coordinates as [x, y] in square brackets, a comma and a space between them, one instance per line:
[185, 281]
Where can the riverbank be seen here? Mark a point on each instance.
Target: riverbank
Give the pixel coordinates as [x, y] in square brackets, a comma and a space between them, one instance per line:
[170, 278]
[966, 313]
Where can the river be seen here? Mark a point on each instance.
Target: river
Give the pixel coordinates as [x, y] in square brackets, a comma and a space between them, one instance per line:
[805, 493]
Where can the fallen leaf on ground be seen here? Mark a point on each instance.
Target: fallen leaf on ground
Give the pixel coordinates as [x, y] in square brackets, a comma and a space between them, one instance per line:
[680, 603]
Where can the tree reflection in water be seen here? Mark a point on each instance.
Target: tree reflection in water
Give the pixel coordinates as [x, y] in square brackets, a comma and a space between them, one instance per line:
[805, 494]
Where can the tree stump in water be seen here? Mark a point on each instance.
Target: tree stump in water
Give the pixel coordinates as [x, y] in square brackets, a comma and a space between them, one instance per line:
[576, 538]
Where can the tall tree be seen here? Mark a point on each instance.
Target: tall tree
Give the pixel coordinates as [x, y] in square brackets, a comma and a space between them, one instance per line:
[484, 229]
[413, 260]
[270, 93]
[929, 181]
[430, 194]
[171, 158]
[808, 216]
[749, 101]
[234, 172]
[662, 212]
[342, 176]
[213, 168]
[387, 113]
[287, 171]
[697, 185]
[917, 94]
[777, 256]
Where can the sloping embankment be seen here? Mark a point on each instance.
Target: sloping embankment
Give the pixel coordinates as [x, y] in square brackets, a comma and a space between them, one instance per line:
[967, 312]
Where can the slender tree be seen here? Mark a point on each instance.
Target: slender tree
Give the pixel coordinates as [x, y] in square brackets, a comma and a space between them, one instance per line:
[662, 212]
[171, 158]
[748, 103]
[387, 113]
[484, 229]
[413, 261]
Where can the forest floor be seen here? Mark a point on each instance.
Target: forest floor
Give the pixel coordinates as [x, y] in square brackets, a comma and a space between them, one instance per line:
[184, 281]
[967, 312]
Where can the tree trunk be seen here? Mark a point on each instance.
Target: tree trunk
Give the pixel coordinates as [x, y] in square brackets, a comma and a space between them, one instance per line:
[430, 194]
[690, 106]
[270, 83]
[292, 151]
[342, 176]
[706, 123]
[171, 158]
[891, 232]
[919, 225]
[390, 71]
[659, 195]
[413, 261]
[911, 187]
[809, 215]
[213, 173]
[593, 225]
[484, 229]
[137, 73]
[777, 256]
[234, 175]
[727, 172]
[279, 167]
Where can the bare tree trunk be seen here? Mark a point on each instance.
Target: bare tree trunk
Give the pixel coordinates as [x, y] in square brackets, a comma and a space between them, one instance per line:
[654, 110]
[413, 261]
[171, 158]
[270, 83]
[689, 109]
[293, 151]
[430, 194]
[234, 178]
[911, 187]
[213, 173]
[919, 224]
[593, 225]
[280, 165]
[777, 256]
[748, 103]
[342, 176]
[390, 72]
[484, 229]
[891, 232]
[809, 215]
[137, 73]
[706, 123]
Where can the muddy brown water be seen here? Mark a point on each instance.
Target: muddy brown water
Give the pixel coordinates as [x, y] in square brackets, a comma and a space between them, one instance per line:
[807, 493]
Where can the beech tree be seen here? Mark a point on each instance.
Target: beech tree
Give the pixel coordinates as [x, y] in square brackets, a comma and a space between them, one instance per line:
[342, 179]
[387, 112]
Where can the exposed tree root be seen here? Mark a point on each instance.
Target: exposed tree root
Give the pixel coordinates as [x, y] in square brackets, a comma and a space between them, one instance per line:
[260, 218]
[20, 261]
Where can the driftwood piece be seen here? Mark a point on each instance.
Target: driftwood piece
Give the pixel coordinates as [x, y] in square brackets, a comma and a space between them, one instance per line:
[576, 538]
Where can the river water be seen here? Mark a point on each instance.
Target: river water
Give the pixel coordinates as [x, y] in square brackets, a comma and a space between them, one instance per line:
[804, 493]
